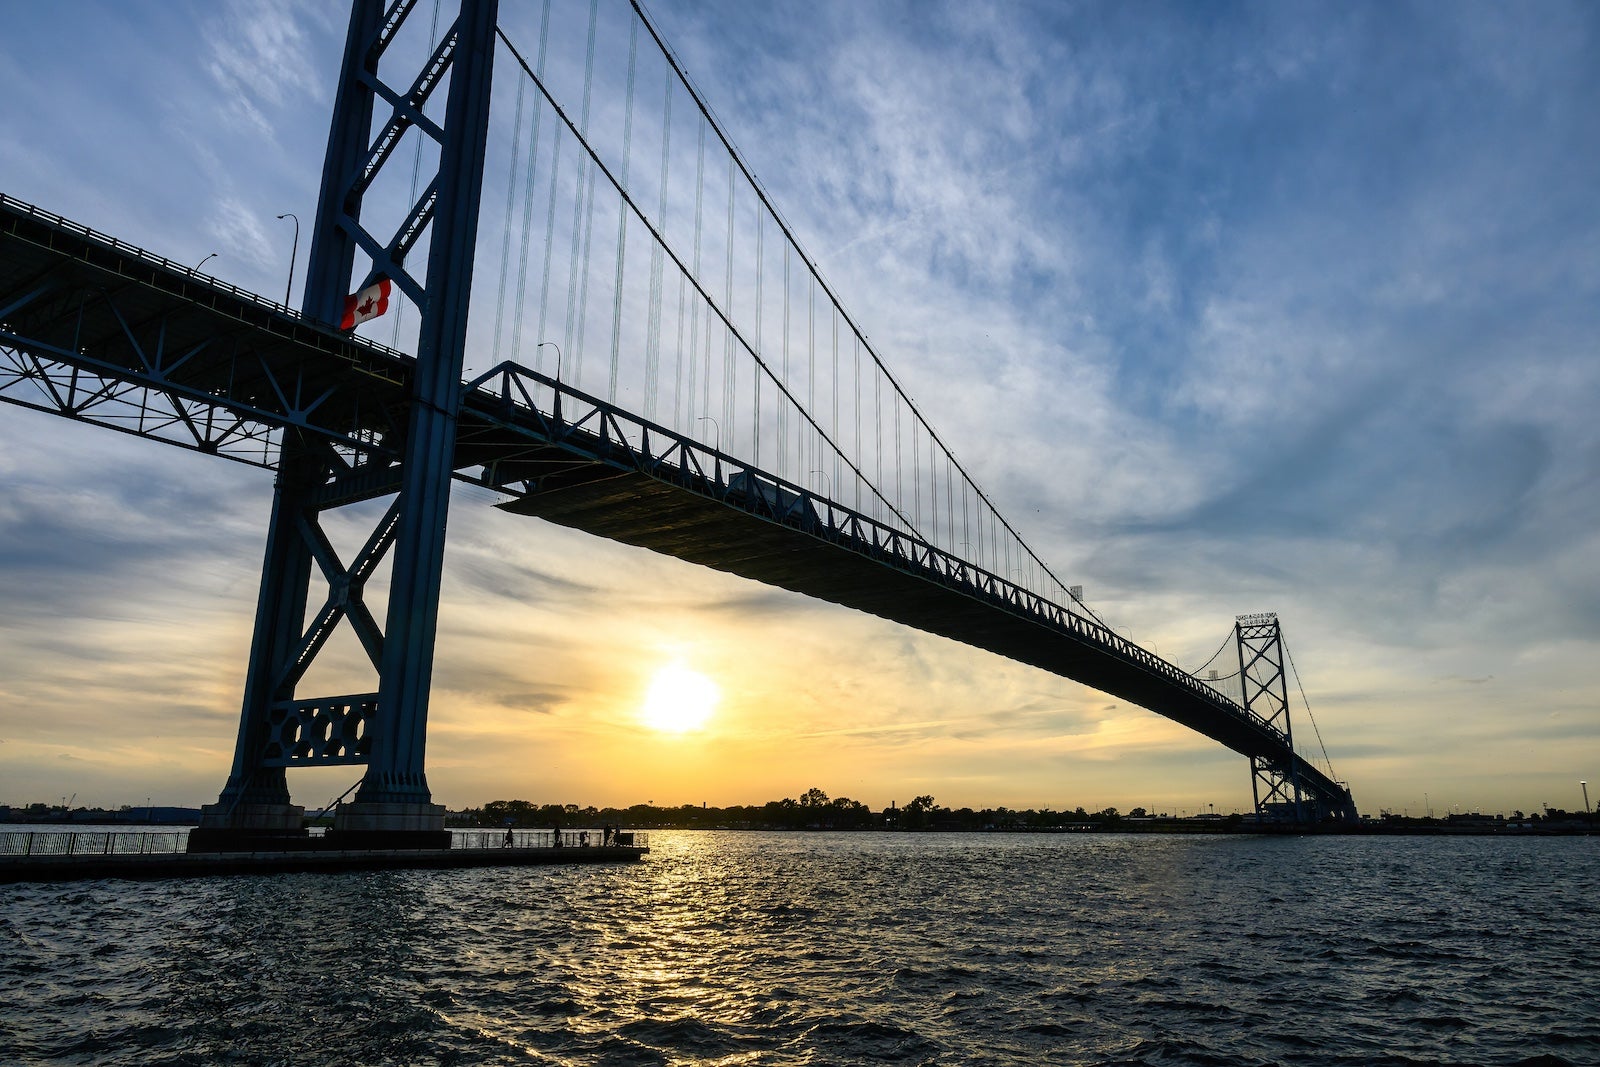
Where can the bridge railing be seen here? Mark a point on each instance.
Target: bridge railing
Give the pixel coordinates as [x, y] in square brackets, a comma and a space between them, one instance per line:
[467, 839]
[90, 842]
[523, 399]
[132, 251]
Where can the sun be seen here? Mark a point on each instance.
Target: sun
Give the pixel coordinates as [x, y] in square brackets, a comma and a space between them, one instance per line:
[679, 700]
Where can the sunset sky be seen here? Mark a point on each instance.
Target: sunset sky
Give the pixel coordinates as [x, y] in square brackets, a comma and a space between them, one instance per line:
[1288, 307]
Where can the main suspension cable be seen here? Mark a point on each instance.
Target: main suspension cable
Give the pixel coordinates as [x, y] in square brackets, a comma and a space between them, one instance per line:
[1298, 685]
[749, 177]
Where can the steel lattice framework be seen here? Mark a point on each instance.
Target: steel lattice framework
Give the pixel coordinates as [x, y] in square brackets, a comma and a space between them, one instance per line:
[386, 729]
[1274, 781]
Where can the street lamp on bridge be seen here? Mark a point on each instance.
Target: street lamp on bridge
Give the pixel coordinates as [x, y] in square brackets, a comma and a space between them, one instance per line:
[715, 425]
[294, 250]
[827, 483]
[716, 453]
[557, 347]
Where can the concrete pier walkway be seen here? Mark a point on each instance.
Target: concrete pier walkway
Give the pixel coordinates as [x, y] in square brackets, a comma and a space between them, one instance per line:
[59, 868]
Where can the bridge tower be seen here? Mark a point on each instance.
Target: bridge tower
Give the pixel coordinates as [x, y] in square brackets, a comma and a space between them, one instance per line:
[1275, 784]
[385, 729]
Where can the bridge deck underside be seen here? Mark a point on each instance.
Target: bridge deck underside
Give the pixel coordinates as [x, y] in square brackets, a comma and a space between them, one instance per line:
[639, 510]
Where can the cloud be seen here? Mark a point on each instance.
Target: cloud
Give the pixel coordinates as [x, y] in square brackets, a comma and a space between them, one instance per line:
[257, 54]
[1266, 307]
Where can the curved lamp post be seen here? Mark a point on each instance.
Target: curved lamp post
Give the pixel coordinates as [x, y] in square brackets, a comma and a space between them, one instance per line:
[557, 347]
[294, 250]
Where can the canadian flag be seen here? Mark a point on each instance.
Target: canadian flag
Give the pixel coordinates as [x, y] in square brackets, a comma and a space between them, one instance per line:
[369, 303]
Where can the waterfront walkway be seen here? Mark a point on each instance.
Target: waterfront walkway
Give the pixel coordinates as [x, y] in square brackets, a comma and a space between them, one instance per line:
[37, 856]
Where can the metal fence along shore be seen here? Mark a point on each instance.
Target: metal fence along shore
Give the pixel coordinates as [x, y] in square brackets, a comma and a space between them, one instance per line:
[169, 842]
[91, 842]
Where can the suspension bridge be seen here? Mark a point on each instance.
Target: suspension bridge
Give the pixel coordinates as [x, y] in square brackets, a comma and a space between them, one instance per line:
[665, 366]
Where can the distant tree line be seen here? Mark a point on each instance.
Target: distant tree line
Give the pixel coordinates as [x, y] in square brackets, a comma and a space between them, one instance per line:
[814, 810]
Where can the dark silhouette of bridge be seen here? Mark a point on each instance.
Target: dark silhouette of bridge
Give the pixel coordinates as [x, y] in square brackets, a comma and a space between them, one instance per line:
[103, 333]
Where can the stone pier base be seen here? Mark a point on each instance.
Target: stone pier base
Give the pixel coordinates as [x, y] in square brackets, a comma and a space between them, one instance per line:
[249, 828]
[369, 825]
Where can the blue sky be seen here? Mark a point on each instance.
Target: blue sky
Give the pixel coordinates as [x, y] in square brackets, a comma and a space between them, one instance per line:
[1231, 307]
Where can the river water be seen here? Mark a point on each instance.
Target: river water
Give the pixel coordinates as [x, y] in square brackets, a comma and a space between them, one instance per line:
[749, 948]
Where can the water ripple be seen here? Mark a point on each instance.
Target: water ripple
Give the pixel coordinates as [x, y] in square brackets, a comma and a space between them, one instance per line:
[735, 949]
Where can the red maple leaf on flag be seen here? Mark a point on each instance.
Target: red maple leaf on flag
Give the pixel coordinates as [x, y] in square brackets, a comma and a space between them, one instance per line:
[369, 303]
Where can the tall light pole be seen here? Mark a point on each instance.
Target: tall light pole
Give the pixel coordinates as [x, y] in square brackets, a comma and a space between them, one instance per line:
[557, 347]
[714, 425]
[557, 405]
[827, 482]
[294, 250]
[1585, 786]
[716, 453]
[203, 262]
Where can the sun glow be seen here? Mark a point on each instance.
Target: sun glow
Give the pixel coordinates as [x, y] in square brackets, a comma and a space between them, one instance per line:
[679, 700]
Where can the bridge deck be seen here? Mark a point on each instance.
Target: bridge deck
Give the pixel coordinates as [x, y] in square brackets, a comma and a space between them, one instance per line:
[73, 297]
[637, 509]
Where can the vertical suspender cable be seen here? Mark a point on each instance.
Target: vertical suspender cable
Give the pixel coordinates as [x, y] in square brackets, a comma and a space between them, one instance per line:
[729, 371]
[505, 239]
[761, 218]
[833, 424]
[653, 341]
[583, 281]
[898, 492]
[855, 350]
[916, 473]
[622, 213]
[950, 500]
[966, 527]
[877, 429]
[809, 459]
[527, 194]
[996, 519]
[549, 248]
[705, 369]
[694, 309]
[585, 185]
[677, 379]
[783, 404]
[688, 277]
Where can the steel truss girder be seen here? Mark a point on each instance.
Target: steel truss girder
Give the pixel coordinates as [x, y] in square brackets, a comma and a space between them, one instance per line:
[142, 409]
[101, 332]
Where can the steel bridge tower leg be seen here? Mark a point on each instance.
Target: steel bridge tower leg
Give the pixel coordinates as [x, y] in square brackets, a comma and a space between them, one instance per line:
[1275, 786]
[385, 730]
